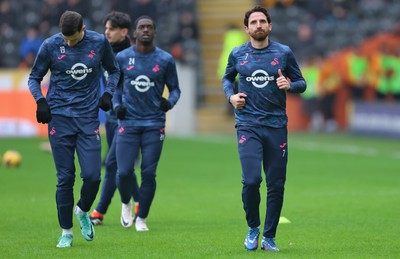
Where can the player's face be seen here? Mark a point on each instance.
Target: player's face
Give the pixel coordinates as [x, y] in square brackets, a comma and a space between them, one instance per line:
[114, 35]
[258, 27]
[145, 31]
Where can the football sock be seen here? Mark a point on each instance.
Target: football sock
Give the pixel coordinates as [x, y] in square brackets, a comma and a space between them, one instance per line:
[78, 210]
[67, 231]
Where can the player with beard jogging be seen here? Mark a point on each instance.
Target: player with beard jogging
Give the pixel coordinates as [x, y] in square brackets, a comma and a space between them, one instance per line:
[264, 67]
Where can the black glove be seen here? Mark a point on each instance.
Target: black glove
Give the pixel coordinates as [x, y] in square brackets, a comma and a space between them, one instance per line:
[105, 102]
[43, 114]
[164, 105]
[120, 111]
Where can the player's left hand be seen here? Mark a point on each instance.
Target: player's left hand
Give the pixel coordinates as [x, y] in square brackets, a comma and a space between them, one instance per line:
[105, 102]
[282, 82]
[164, 105]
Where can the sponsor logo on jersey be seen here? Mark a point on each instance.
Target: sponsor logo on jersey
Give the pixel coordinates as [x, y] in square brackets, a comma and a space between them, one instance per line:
[260, 78]
[142, 83]
[79, 71]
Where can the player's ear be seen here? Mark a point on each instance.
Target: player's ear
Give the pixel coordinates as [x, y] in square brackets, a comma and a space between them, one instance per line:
[83, 27]
[124, 31]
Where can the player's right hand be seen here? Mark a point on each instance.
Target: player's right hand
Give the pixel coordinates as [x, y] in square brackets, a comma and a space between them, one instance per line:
[238, 100]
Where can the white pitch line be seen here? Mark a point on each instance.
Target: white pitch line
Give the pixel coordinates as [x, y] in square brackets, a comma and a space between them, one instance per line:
[342, 149]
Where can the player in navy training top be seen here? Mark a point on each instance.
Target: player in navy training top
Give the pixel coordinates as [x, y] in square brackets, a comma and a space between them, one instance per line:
[117, 26]
[75, 58]
[267, 70]
[141, 110]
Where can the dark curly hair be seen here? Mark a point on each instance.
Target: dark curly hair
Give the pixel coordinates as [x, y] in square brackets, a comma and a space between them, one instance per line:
[119, 20]
[254, 10]
[70, 23]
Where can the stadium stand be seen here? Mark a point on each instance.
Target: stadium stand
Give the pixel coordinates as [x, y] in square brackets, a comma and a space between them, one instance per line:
[192, 31]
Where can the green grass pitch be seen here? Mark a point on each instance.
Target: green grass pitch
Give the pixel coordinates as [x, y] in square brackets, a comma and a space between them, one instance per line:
[342, 199]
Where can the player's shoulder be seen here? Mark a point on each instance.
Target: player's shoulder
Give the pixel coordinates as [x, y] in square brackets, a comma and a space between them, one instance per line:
[242, 48]
[163, 56]
[162, 53]
[53, 42]
[54, 39]
[94, 36]
[126, 52]
[279, 46]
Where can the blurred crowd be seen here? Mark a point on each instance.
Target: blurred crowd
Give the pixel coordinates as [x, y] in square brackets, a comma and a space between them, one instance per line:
[24, 24]
[351, 45]
[368, 71]
[348, 51]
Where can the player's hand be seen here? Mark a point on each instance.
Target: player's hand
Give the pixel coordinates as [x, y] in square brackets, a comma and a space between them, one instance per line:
[105, 102]
[282, 82]
[164, 105]
[43, 114]
[238, 100]
[120, 111]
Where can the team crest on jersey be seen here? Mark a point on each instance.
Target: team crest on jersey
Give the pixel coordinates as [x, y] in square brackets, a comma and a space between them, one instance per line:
[260, 78]
[92, 54]
[156, 68]
[275, 62]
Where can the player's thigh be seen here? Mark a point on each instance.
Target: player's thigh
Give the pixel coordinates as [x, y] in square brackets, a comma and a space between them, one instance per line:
[111, 128]
[88, 147]
[111, 158]
[250, 150]
[62, 137]
[151, 147]
[275, 147]
[127, 149]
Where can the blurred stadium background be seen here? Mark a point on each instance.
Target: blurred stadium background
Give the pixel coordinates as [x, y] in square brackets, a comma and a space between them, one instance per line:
[349, 52]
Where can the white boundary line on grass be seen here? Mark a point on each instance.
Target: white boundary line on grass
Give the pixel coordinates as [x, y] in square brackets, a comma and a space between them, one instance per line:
[342, 149]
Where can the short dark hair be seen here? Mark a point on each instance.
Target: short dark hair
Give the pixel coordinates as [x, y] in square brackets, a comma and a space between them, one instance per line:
[255, 9]
[145, 17]
[70, 23]
[118, 20]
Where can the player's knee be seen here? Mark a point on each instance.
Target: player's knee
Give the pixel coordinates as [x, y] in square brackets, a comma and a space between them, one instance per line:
[91, 177]
[149, 179]
[111, 166]
[252, 182]
[276, 187]
[66, 182]
[121, 173]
